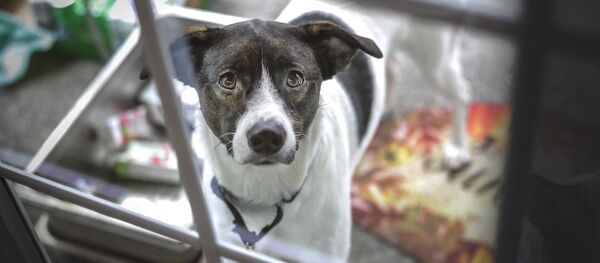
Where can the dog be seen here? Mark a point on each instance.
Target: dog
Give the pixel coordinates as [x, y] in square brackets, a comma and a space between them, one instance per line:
[286, 110]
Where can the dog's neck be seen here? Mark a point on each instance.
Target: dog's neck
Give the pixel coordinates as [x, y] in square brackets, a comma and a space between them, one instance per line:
[264, 184]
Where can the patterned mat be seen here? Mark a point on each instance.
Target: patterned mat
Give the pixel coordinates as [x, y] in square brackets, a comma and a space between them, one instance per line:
[403, 193]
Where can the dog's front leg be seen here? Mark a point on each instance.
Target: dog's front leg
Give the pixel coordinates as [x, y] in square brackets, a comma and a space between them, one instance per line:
[456, 151]
[450, 73]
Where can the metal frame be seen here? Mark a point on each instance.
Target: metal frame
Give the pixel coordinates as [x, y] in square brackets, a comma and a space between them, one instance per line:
[525, 101]
[18, 242]
[528, 77]
[162, 70]
[457, 12]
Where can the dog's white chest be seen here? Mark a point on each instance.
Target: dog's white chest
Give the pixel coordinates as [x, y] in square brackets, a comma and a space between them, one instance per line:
[318, 219]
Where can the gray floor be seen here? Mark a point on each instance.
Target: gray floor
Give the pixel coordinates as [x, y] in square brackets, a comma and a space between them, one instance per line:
[33, 106]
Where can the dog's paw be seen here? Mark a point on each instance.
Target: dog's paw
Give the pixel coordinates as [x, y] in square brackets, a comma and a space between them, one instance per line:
[455, 157]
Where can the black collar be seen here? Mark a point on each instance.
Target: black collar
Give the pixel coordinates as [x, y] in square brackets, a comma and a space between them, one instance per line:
[249, 238]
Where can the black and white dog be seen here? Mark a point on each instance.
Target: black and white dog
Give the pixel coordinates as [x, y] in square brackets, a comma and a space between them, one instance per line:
[287, 109]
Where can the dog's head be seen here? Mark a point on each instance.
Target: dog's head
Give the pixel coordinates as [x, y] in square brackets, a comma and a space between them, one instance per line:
[258, 82]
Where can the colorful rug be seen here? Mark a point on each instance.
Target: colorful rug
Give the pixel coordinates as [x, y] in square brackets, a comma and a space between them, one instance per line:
[403, 193]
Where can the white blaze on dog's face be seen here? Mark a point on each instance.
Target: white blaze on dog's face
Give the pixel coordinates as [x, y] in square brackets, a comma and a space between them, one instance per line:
[264, 133]
[258, 82]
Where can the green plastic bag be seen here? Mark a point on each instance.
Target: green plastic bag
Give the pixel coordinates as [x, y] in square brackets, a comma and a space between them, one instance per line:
[84, 29]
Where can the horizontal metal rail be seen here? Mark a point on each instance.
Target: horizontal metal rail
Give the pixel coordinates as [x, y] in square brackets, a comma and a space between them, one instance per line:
[457, 12]
[116, 211]
[97, 204]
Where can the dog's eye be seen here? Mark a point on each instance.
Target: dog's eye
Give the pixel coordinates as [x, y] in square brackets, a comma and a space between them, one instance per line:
[227, 80]
[295, 79]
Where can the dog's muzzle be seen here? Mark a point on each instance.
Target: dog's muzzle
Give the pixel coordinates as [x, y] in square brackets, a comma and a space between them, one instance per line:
[266, 140]
[266, 137]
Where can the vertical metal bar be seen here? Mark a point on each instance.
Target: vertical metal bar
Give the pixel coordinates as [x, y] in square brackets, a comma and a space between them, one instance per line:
[162, 70]
[526, 94]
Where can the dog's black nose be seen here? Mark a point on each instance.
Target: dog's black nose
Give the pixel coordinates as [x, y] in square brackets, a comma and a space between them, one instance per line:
[266, 137]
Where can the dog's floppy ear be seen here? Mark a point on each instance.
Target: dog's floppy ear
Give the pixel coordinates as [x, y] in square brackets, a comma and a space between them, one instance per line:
[335, 47]
[187, 52]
